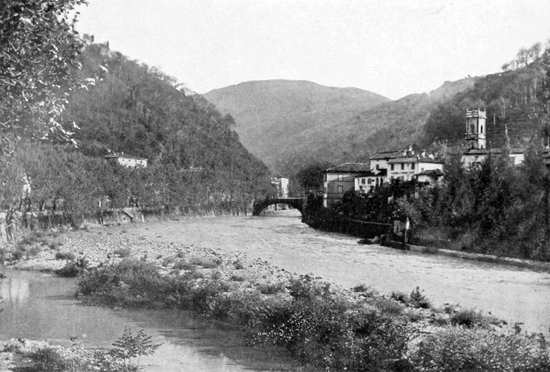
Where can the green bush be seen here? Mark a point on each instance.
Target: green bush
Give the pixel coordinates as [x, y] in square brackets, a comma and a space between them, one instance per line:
[17, 254]
[462, 349]
[471, 318]
[270, 288]
[418, 299]
[400, 297]
[47, 359]
[70, 270]
[69, 256]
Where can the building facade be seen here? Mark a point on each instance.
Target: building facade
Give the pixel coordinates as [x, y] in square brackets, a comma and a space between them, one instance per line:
[373, 179]
[127, 161]
[341, 179]
[406, 168]
[281, 184]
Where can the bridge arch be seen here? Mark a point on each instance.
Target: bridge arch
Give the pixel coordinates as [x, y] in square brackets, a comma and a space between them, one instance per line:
[260, 205]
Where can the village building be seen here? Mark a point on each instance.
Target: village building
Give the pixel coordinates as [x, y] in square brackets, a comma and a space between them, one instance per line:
[371, 180]
[413, 165]
[380, 160]
[281, 184]
[127, 160]
[409, 166]
[341, 179]
[476, 151]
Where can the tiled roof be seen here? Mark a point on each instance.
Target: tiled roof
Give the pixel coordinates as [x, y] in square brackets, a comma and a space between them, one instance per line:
[350, 168]
[415, 158]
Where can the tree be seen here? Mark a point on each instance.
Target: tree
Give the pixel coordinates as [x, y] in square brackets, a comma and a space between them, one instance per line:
[311, 176]
[39, 49]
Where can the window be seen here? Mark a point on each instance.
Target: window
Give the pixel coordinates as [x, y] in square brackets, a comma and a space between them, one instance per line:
[363, 181]
[412, 165]
[481, 129]
[377, 166]
[340, 189]
[392, 167]
[402, 166]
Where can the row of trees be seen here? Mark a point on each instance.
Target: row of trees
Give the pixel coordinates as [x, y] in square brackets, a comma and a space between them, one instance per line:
[59, 172]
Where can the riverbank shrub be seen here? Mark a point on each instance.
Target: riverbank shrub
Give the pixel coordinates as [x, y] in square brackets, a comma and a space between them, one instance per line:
[470, 318]
[462, 349]
[31, 356]
[418, 299]
[323, 326]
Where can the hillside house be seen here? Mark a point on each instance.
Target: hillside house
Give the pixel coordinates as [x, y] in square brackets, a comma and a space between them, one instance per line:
[340, 179]
[127, 161]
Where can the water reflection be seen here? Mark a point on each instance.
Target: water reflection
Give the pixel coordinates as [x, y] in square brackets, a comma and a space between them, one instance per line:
[14, 291]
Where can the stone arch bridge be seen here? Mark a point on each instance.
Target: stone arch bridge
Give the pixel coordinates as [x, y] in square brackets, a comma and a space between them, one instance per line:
[260, 205]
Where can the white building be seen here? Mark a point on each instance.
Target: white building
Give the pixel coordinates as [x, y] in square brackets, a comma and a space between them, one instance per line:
[369, 181]
[282, 186]
[406, 168]
[128, 161]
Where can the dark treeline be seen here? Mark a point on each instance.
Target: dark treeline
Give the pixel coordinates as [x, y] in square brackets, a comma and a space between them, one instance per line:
[497, 208]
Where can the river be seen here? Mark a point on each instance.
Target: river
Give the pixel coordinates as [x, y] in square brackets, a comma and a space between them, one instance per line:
[42, 307]
[39, 306]
[510, 293]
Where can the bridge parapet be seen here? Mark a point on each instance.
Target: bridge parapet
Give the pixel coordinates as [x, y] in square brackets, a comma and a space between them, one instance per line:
[260, 205]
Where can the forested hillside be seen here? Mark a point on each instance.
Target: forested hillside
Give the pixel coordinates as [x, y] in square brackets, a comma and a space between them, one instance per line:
[290, 125]
[196, 162]
[510, 98]
[278, 118]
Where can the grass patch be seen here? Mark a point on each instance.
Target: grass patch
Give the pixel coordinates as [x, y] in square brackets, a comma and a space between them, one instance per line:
[69, 256]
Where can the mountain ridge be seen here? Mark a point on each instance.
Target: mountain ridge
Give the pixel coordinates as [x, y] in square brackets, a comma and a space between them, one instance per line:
[271, 115]
[306, 122]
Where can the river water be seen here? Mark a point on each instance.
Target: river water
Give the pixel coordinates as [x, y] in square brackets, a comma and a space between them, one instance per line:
[510, 293]
[39, 306]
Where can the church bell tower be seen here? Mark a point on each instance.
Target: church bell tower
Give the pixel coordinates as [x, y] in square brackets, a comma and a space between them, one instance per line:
[475, 129]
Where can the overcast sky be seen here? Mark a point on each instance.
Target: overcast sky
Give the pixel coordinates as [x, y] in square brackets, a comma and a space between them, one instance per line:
[391, 47]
